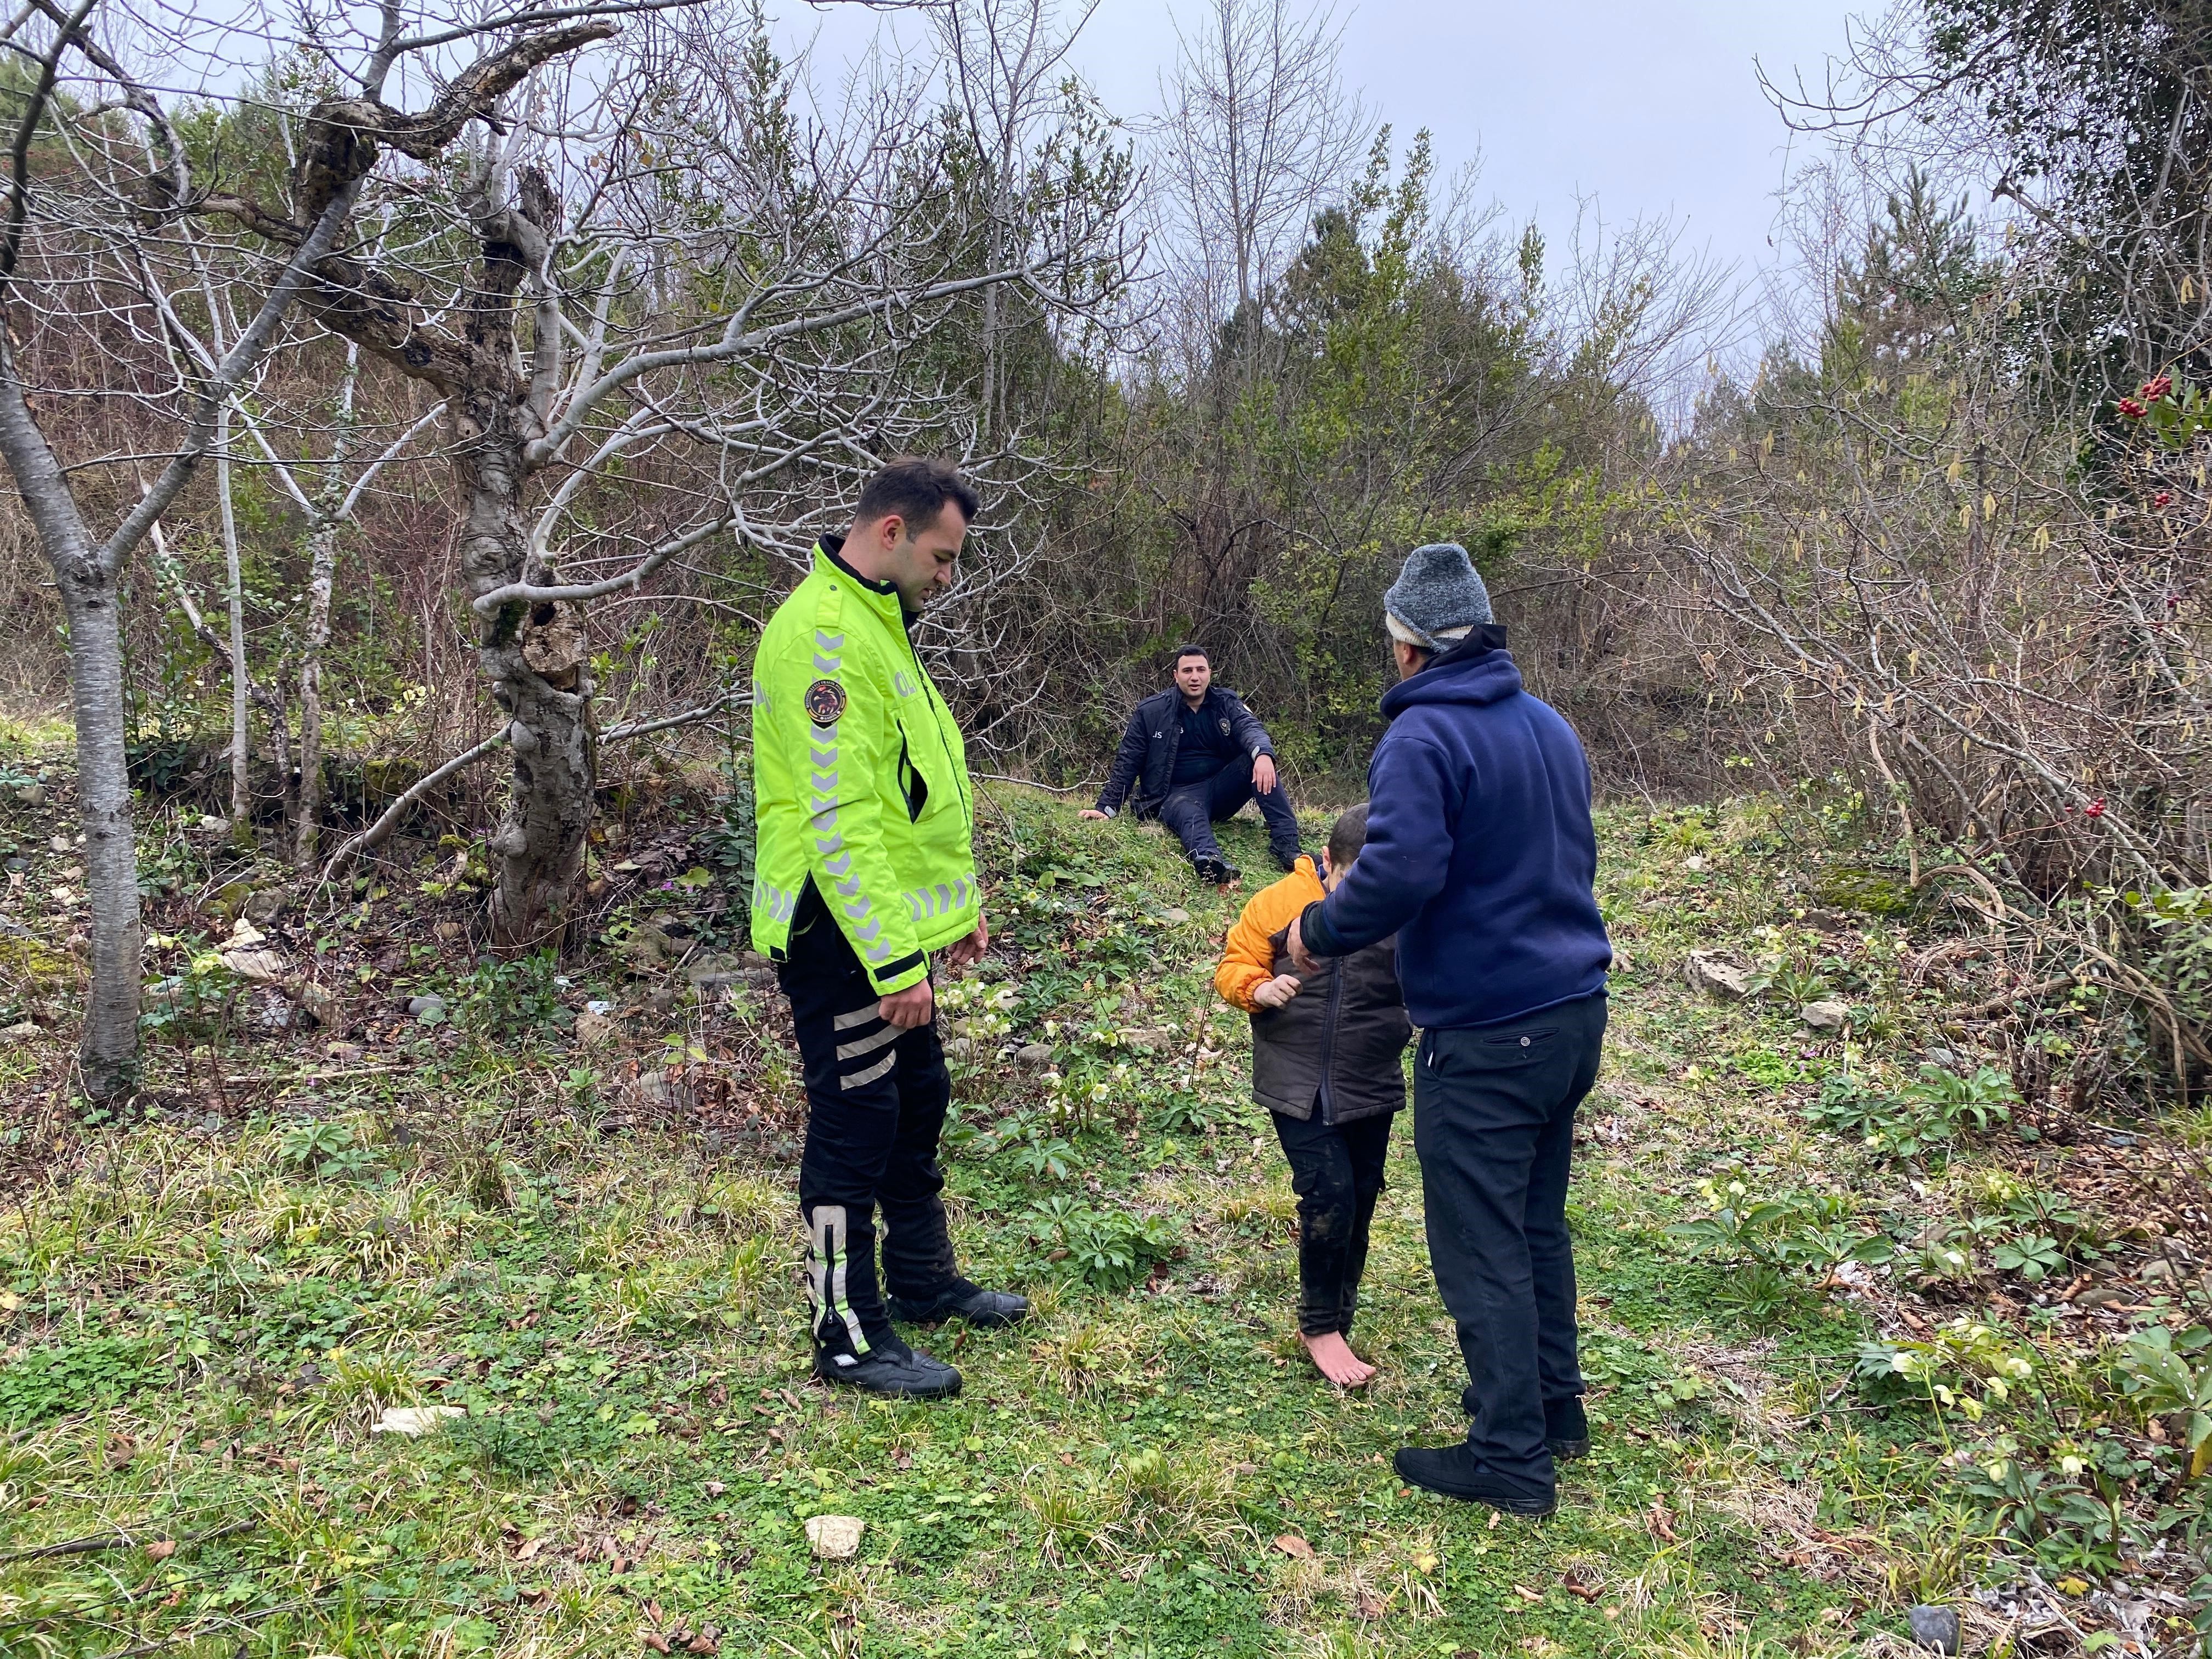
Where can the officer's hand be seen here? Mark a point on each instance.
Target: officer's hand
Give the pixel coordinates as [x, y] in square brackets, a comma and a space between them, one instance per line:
[1263, 774]
[1092, 812]
[1275, 993]
[963, 951]
[908, 1008]
[1301, 958]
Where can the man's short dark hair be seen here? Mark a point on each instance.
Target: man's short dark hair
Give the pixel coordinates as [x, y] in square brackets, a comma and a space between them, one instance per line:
[1347, 836]
[1188, 651]
[916, 489]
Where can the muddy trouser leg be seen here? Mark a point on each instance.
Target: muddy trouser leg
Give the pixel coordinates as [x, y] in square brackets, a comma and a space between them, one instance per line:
[864, 1147]
[1184, 812]
[1368, 1141]
[1321, 1174]
[1493, 1124]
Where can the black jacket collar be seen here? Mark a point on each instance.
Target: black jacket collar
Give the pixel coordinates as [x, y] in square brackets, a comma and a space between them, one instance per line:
[1483, 636]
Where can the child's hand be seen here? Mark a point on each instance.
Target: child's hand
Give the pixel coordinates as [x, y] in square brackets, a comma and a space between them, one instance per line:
[1275, 993]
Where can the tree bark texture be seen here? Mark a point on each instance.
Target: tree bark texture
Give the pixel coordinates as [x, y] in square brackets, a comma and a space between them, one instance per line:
[308, 810]
[109, 1052]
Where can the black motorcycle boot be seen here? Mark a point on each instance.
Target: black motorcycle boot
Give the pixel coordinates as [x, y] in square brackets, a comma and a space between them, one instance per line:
[988, 1310]
[890, 1369]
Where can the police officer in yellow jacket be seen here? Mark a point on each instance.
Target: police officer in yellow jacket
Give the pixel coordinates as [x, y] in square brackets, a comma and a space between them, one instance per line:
[865, 865]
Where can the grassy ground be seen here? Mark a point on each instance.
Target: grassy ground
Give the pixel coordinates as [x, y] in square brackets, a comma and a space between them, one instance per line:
[1806, 1415]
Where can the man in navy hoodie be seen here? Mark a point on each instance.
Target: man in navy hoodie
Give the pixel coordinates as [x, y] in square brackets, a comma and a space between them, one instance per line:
[1481, 858]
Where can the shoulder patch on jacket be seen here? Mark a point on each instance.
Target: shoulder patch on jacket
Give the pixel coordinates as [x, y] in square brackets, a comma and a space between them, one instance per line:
[825, 702]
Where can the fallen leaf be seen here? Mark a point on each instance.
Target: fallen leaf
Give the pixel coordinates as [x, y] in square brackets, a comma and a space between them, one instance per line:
[530, 1547]
[1428, 1563]
[702, 1643]
[160, 1549]
[653, 1612]
[1574, 1586]
[715, 1489]
[1294, 1547]
[1662, 1523]
[656, 1641]
[121, 1451]
[1527, 1595]
[1368, 1605]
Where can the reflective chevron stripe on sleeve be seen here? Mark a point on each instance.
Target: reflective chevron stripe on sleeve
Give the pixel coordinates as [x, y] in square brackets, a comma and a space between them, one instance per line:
[942, 900]
[864, 929]
[774, 903]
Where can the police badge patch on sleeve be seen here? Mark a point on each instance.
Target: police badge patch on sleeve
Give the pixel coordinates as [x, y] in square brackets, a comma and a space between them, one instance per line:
[825, 702]
[1224, 728]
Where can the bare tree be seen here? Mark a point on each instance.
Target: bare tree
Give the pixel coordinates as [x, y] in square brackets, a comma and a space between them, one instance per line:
[98, 177]
[1258, 134]
[681, 321]
[1005, 69]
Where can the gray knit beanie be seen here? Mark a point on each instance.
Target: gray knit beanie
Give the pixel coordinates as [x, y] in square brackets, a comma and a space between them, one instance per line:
[1438, 597]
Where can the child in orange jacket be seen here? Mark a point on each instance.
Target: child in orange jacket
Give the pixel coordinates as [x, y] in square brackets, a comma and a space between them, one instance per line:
[1327, 1064]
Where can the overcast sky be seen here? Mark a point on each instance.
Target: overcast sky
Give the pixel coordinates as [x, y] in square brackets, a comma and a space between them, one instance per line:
[1652, 107]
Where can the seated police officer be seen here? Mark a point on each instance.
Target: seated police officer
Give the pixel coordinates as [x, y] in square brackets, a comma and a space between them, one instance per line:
[1194, 755]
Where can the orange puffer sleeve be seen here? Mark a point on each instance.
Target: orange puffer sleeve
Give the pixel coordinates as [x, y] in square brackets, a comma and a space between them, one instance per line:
[1248, 957]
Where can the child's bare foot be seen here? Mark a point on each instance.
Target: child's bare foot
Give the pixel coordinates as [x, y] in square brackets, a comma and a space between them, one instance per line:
[1333, 1355]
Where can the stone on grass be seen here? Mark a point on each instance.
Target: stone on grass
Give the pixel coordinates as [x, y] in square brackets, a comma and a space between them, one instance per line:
[1035, 1055]
[24, 1032]
[1724, 981]
[835, 1537]
[426, 1006]
[413, 1419]
[1174, 913]
[593, 1028]
[1825, 1016]
[1936, 1628]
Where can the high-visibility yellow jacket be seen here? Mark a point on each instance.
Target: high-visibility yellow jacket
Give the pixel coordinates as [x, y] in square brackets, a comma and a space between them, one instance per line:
[859, 779]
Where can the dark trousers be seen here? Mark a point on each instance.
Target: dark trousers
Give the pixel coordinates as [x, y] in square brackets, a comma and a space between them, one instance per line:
[876, 1101]
[1336, 1170]
[1493, 1124]
[1192, 810]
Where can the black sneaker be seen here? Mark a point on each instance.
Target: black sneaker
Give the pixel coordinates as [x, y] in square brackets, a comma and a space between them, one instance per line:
[1287, 857]
[1219, 871]
[1566, 1428]
[1456, 1472]
[989, 1311]
[891, 1368]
